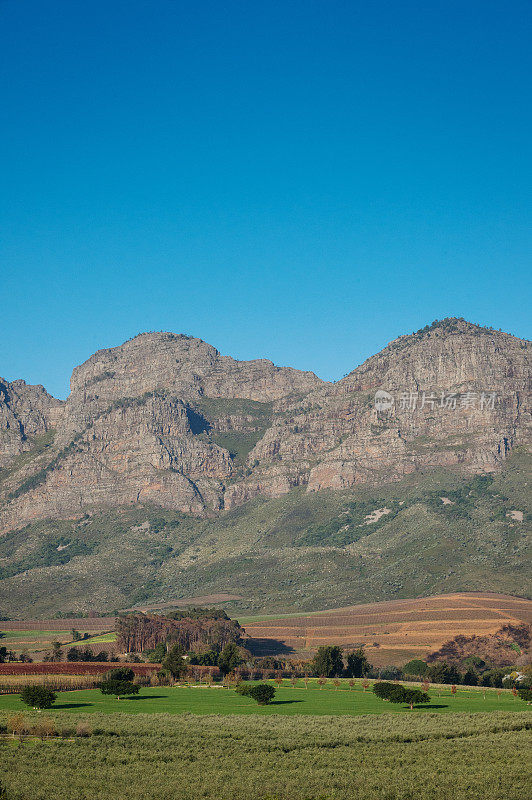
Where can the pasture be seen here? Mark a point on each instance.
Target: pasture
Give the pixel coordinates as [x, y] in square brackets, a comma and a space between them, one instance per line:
[215, 757]
[289, 701]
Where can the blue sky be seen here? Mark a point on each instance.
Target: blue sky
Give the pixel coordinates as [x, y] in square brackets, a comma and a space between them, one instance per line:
[301, 181]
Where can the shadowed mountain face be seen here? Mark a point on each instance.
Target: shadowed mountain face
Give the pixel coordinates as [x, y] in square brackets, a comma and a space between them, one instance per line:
[172, 470]
[165, 419]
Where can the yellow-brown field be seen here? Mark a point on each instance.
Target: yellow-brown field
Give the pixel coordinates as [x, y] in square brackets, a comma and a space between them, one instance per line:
[398, 630]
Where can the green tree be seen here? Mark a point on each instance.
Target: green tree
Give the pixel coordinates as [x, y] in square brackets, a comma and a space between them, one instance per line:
[38, 696]
[441, 672]
[383, 689]
[411, 696]
[118, 688]
[471, 677]
[357, 664]
[76, 635]
[525, 693]
[416, 667]
[328, 661]
[157, 655]
[262, 693]
[229, 659]
[174, 663]
[120, 674]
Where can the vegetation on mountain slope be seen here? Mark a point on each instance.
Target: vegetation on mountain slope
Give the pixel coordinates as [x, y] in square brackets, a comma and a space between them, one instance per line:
[300, 551]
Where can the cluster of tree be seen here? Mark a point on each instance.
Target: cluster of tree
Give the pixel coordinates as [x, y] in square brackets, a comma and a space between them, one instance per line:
[475, 673]
[175, 664]
[86, 654]
[395, 693]
[137, 632]
[329, 663]
[498, 649]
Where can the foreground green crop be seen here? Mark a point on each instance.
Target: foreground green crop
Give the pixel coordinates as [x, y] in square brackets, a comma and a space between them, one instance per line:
[162, 757]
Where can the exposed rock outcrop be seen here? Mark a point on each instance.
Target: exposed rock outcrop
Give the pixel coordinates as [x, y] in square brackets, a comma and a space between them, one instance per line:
[166, 419]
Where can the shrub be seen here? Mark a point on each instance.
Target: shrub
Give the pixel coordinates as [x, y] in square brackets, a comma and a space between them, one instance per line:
[119, 674]
[262, 693]
[525, 693]
[38, 696]
[83, 729]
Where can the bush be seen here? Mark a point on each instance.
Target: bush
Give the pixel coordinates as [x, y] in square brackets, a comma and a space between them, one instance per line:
[83, 729]
[525, 693]
[119, 674]
[262, 693]
[38, 696]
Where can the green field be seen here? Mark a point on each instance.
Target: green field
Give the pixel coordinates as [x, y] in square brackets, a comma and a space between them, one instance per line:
[288, 701]
[164, 757]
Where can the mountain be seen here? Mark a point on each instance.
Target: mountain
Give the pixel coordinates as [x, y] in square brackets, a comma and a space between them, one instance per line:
[195, 472]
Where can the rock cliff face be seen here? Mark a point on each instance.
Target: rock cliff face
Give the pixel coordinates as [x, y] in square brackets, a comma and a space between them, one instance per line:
[165, 419]
[25, 412]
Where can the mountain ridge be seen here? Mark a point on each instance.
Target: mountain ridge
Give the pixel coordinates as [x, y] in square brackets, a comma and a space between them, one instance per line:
[172, 470]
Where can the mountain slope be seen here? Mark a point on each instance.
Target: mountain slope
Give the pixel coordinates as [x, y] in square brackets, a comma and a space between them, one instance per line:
[173, 471]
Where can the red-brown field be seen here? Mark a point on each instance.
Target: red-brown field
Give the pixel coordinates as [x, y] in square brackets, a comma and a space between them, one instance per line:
[395, 631]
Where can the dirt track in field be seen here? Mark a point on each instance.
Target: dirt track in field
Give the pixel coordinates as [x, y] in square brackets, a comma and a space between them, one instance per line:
[394, 631]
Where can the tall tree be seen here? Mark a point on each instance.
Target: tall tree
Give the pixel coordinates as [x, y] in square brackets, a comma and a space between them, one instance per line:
[174, 663]
[357, 664]
[328, 661]
[229, 659]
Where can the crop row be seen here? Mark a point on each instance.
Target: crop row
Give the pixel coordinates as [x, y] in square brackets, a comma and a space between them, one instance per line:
[72, 668]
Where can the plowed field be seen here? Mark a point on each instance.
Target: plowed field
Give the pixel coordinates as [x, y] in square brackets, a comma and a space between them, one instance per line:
[393, 631]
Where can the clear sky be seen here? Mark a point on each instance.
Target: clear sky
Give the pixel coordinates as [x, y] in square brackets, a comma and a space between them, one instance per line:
[301, 180]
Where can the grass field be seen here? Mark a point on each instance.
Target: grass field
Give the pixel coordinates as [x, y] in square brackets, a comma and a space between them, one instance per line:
[288, 701]
[163, 757]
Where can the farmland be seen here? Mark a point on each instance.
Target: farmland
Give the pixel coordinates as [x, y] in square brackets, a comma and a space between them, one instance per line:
[289, 701]
[36, 636]
[394, 631]
[389, 757]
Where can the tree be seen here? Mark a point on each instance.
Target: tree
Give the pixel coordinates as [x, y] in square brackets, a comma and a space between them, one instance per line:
[410, 696]
[229, 659]
[120, 674]
[525, 693]
[441, 672]
[56, 651]
[471, 677]
[383, 689]
[38, 696]
[76, 635]
[156, 656]
[357, 664]
[118, 688]
[416, 667]
[174, 663]
[328, 661]
[262, 693]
